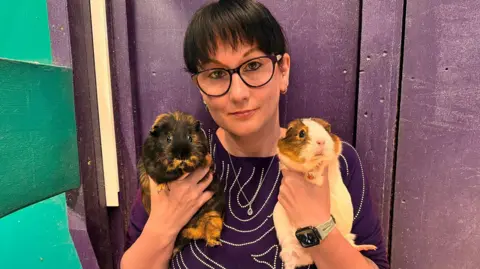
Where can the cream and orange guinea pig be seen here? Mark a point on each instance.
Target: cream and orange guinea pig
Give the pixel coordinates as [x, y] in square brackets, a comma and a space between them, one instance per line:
[309, 146]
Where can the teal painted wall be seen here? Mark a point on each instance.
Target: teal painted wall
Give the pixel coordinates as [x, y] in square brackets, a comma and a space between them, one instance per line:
[36, 236]
[24, 31]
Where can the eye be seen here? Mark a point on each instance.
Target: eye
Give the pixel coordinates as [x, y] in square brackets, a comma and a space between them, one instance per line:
[169, 138]
[217, 74]
[252, 66]
[301, 134]
[189, 138]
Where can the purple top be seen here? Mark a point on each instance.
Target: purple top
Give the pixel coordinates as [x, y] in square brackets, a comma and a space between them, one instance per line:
[249, 241]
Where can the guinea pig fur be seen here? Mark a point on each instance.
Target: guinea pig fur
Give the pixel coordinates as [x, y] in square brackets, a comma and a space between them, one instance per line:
[309, 146]
[176, 144]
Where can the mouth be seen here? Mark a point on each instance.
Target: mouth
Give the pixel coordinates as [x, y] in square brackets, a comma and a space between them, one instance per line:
[319, 152]
[243, 113]
[186, 165]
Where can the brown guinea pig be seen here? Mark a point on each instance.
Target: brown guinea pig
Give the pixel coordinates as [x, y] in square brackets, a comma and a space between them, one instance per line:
[307, 144]
[176, 145]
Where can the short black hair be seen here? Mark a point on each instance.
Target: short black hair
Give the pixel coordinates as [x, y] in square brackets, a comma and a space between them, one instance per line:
[233, 22]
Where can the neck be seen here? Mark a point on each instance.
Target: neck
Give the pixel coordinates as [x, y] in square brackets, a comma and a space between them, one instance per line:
[259, 144]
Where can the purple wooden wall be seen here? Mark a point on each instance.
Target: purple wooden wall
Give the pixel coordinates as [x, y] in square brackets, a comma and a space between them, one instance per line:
[437, 190]
[381, 36]
[319, 58]
[354, 51]
[324, 50]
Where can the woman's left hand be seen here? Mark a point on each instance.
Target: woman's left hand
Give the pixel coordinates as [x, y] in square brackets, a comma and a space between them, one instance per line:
[306, 204]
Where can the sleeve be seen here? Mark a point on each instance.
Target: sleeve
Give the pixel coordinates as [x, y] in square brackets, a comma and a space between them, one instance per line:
[366, 223]
[138, 218]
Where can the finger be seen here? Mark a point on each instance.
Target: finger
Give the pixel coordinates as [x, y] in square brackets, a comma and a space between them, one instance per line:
[283, 188]
[203, 199]
[184, 176]
[289, 174]
[284, 201]
[204, 184]
[287, 187]
[198, 174]
[325, 172]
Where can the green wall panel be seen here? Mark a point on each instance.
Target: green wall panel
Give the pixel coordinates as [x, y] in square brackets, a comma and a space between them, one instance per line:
[24, 31]
[37, 237]
[38, 137]
[37, 143]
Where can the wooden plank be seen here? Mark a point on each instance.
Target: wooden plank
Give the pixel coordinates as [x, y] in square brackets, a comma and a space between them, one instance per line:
[88, 131]
[437, 183]
[124, 106]
[381, 36]
[105, 103]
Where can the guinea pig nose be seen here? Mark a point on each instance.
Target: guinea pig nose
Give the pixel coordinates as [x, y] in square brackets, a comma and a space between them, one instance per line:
[320, 142]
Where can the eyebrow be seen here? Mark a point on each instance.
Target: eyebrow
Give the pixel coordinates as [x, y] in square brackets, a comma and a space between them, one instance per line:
[250, 51]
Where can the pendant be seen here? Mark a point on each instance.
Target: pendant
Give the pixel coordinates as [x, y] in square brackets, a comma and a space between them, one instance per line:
[250, 211]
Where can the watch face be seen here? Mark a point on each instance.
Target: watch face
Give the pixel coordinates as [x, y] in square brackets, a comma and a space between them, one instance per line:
[308, 237]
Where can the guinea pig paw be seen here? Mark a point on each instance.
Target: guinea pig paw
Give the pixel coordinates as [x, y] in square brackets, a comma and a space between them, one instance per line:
[213, 242]
[162, 187]
[289, 258]
[365, 247]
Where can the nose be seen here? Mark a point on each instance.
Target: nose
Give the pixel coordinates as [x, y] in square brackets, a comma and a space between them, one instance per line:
[321, 142]
[181, 151]
[239, 91]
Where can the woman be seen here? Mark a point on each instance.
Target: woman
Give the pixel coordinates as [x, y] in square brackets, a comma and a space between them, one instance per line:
[244, 37]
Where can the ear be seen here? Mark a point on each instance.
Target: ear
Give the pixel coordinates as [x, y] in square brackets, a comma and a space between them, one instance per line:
[324, 123]
[154, 130]
[160, 120]
[284, 68]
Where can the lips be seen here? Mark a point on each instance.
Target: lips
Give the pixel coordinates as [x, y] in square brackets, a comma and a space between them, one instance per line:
[243, 114]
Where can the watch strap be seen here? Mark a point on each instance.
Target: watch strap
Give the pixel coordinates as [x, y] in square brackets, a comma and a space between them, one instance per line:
[325, 228]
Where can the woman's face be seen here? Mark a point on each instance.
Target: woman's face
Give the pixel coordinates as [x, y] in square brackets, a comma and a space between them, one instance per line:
[245, 110]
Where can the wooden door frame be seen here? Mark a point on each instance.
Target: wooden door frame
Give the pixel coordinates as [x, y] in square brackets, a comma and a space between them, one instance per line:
[106, 225]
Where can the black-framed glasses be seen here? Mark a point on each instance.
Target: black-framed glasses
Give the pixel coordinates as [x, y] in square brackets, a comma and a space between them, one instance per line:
[256, 72]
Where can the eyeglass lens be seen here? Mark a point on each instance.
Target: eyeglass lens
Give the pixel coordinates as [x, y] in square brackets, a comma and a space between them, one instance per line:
[254, 73]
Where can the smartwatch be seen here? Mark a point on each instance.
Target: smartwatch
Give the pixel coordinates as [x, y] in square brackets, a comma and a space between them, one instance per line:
[311, 236]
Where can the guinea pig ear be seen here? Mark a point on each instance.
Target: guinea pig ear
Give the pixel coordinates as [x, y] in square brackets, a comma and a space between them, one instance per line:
[154, 131]
[324, 123]
[159, 123]
[198, 126]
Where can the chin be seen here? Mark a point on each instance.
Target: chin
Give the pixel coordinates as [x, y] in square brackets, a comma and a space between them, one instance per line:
[243, 129]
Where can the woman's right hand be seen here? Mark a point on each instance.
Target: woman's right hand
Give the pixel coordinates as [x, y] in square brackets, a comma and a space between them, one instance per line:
[174, 206]
[170, 210]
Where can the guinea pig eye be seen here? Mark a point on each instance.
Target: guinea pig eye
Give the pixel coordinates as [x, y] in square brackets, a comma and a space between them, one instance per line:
[189, 138]
[169, 138]
[301, 134]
